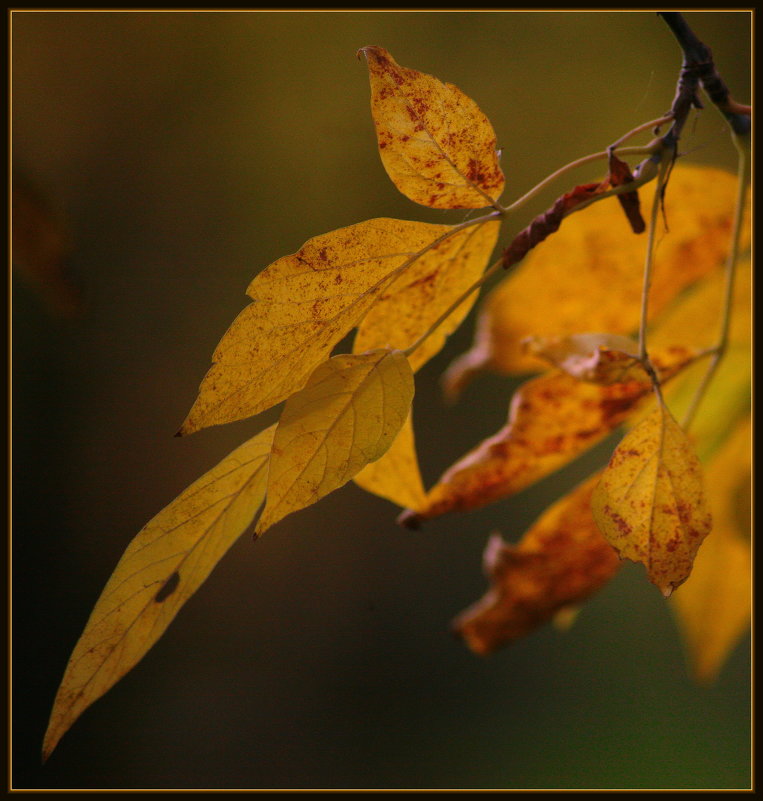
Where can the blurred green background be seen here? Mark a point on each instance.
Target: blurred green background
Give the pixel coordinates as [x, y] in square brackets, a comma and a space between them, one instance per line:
[184, 152]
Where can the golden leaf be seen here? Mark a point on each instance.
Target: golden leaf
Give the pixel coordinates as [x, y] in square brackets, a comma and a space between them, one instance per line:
[560, 561]
[303, 305]
[714, 606]
[347, 415]
[695, 317]
[414, 301]
[396, 475]
[650, 503]
[588, 275]
[160, 570]
[435, 143]
[552, 419]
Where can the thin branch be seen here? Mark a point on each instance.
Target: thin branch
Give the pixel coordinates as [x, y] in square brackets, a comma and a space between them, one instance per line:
[699, 67]
[728, 290]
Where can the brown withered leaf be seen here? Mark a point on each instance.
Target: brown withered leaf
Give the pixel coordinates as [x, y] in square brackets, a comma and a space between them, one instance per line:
[561, 560]
[552, 419]
[619, 174]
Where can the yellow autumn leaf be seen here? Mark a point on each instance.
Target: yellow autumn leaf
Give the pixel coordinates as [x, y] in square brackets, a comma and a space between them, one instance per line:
[650, 503]
[162, 567]
[413, 302]
[303, 305]
[559, 562]
[588, 275]
[552, 419]
[405, 312]
[714, 606]
[396, 475]
[695, 317]
[435, 143]
[348, 415]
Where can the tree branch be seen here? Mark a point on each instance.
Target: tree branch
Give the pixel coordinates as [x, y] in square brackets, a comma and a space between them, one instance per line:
[698, 68]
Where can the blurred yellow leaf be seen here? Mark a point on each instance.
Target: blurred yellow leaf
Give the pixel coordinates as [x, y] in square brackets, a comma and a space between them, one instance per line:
[414, 301]
[160, 570]
[303, 305]
[348, 415]
[695, 317]
[588, 275]
[561, 560]
[713, 607]
[396, 475]
[435, 143]
[552, 419]
[650, 502]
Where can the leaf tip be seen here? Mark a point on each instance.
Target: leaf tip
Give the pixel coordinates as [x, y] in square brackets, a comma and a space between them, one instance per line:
[186, 428]
[410, 520]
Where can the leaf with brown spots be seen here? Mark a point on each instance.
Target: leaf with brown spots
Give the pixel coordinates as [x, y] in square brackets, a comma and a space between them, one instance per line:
[409, 307]
[552, 419]
[347, 416]
[588, 276]
[305, 303]
[714, 606]
[559, 563]
[162, 567]
[435, 143]
[650, 503]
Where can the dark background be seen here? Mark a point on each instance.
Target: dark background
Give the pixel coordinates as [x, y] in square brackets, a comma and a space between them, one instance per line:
[185, 152]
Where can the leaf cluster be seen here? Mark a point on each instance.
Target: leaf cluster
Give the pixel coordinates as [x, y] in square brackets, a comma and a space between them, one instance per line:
[567, 312]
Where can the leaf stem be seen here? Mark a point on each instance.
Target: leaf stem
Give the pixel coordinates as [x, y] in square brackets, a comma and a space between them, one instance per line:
[538, 188]
[719, 349]
[665, 164]
[638, 129]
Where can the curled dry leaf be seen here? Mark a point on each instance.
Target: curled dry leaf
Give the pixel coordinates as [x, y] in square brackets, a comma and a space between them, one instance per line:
[303, 305]
[619, 174]
[552, 419]
[160, 570]
[396, 476]
[714, 606]
[588, 276]
[560, 561]
[607, 358]
[650, 503]
[600, 358]
[348, 415]
[435, 143]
